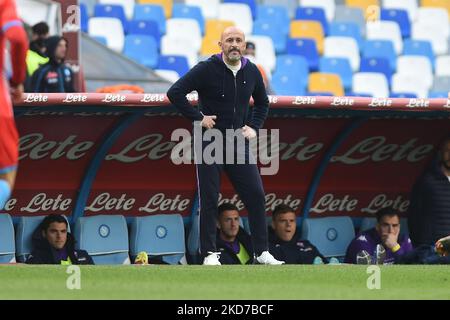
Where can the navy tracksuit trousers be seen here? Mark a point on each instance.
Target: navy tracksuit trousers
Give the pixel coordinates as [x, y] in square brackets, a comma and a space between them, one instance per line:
[247, 182]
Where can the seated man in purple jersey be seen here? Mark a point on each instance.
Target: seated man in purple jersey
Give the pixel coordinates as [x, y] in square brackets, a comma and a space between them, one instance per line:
[53, 244]
[234, 244]
[382, 244]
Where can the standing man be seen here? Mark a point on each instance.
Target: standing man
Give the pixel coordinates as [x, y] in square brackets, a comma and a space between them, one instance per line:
[37, 53]
[55, 75]
[12, 31]
[225, 83]
[429, 210]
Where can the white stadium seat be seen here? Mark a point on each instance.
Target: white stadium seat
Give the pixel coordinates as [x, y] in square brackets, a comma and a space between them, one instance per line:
[406, 83]
[443, 66]
[437, 17]
[210, 8]
[109, 28]
[168, 75]
[385, 30]
[265, 52]
[180, 47]
[416, 66]
[239, 13]
[188, 29]
[432, 33]
[343, 47]
[372, 83]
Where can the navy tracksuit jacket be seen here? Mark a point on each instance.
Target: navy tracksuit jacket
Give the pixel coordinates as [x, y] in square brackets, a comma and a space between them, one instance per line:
[227, 97]
[429, 209]
[53, 76]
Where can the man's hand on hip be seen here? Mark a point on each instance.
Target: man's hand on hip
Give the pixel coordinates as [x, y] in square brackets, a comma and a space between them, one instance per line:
[248, 132]
[208, 121]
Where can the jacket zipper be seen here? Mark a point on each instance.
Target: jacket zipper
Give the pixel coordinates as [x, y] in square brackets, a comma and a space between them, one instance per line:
[235, 99]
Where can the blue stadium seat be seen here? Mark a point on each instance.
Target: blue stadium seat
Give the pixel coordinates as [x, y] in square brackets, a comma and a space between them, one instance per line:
[250, 3]
[399, 16]
[331, 235]
[340, 66]
[438, 94]
[404, 226]
[175, 63]
[104, 237]
[112, 11]
[159, 235]
[313, 13]
[275, 14]
[367, 223]
[142, 49]
[181, 10]
[403, 95]
[245, 224]
[84, 17]
[7, 244]
[89, 6]
[419, 47]
[24, 233]
[273, 30]
[441, 83]
[193, 240]
[306, 48]
[370, 222]
[146, 28]
[380, 65]
[290, 5]
[292, 63]
[151, 12]
[319, 94]
[345, 13]
[346, 29]
[289, 83]
[380, 49]
[361, 95]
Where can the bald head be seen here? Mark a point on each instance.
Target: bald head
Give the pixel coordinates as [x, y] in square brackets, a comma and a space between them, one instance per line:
[232, 42]
[232, 30]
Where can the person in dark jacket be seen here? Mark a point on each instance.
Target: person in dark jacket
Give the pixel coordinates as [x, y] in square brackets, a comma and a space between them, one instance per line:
[36, 55]
[225, 83]
[429, 209]
[55, 75]
[37, 49]
[285, 242]
[382, 244]
[424, 254]
[233, 243]
[52, 244]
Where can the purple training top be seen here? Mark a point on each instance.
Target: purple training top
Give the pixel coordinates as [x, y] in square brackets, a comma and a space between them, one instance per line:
[368, 241]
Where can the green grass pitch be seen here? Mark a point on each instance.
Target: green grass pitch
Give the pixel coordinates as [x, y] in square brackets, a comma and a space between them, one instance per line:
[225, 282]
